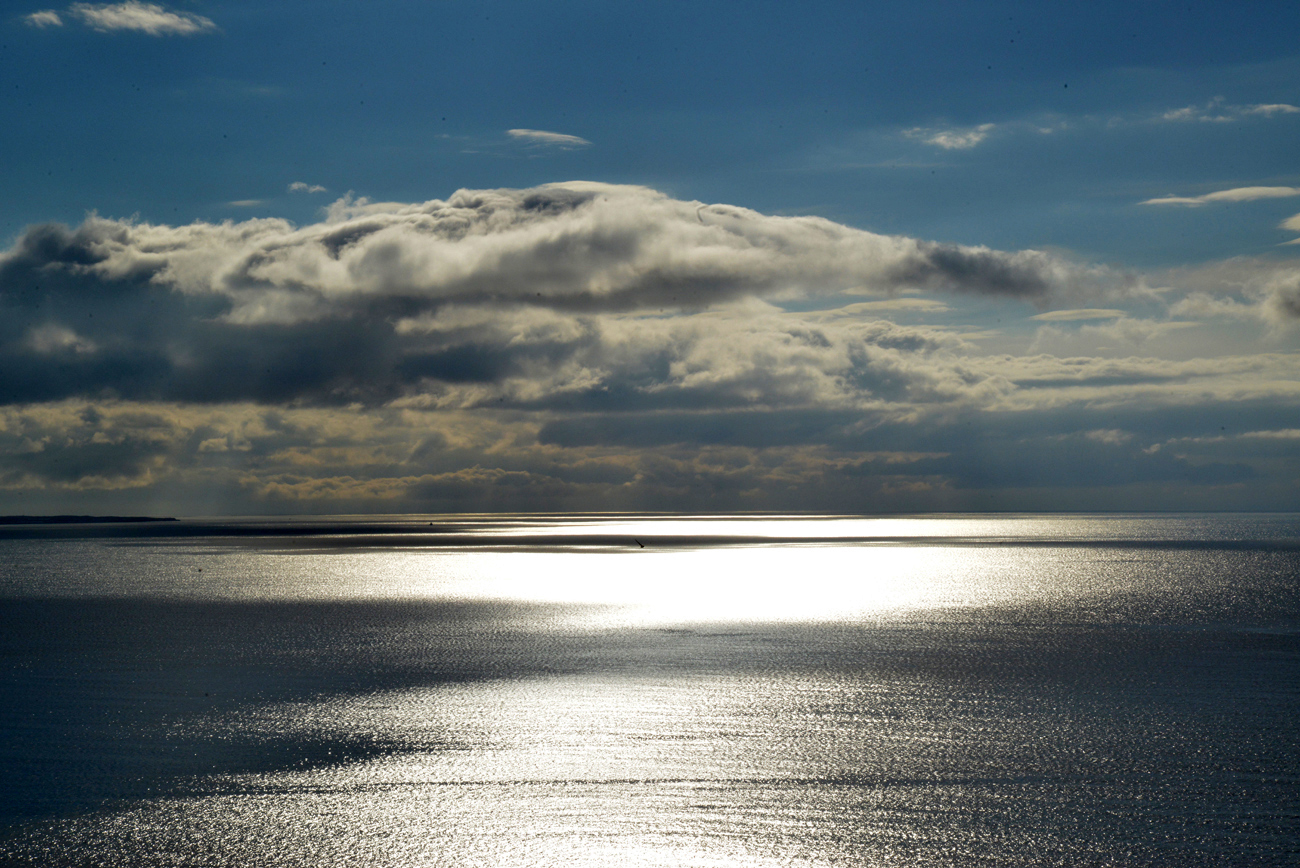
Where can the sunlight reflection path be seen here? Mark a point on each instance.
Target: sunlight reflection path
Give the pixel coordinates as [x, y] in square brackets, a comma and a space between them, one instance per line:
[762, 583]
[737, 692]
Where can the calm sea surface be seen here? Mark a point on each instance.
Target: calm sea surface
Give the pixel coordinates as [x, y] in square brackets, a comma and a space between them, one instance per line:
[632, 691]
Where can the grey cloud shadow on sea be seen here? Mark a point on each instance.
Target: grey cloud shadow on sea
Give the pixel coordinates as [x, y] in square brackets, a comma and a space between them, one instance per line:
[180, 696]
[211, 661]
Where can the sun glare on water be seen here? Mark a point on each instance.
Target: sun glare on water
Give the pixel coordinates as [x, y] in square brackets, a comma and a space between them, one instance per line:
[656, 572]
[760, 583]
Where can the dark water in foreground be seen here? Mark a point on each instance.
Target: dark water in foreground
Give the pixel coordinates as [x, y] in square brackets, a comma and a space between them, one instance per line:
[1029, 690]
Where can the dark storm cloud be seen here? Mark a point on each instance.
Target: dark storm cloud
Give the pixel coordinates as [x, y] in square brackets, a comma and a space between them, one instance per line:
[1071, 461]
[1286, 299]
[1029, 275]
[71, 329]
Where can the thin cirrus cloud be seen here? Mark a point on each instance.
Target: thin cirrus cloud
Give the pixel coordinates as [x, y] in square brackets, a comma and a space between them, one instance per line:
[132, 15]
[545, 137]
[1079, 314]
[1236, 194]
[1214, 111]
[1219, 111]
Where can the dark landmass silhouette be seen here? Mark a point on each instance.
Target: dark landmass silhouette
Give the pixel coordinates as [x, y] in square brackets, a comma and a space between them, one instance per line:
[76, 519]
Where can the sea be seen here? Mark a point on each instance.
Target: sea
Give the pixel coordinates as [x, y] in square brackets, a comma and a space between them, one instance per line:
[652, 690]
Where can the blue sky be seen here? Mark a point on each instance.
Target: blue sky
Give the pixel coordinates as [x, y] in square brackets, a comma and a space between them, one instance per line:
[1098, 308]
[782, 110]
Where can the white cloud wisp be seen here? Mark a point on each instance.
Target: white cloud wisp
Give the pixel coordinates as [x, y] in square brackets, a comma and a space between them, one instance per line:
[1219, 111]
[545, 137]
[952, 139]
[148, 18]
[44, 18]
[1236, 194]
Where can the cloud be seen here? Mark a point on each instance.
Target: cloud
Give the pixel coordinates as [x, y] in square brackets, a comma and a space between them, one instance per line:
[1218, 110]
[1243, 288]
[246, 203]
[303, 187]
[952, 139]
[267, 459]
[44, 18]
[1122, 334]
[1271, 109]
[569, 295]
[147, 18]
[1113, 436]
[1236, 194]
[890, 305]
[1285, 434]
[543, 137]
[1088, 313]
[574, 247]
[1045, 380]
[581, 346]
[1292, 224]
[53, 339]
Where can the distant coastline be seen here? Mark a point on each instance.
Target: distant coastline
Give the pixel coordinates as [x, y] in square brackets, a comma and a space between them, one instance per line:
[77, 519]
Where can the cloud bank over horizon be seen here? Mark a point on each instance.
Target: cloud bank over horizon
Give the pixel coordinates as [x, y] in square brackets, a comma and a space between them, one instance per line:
[584, 346]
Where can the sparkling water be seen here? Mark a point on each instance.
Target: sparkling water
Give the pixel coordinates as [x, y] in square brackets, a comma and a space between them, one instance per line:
[652, 691]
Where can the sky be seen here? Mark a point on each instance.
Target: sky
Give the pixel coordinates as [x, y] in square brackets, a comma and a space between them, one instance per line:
[444, 256]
